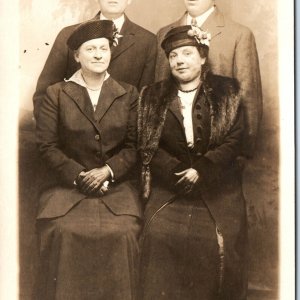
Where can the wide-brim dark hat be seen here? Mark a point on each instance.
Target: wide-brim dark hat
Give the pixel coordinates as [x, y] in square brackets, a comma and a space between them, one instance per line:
[183, 36]
[91, 30]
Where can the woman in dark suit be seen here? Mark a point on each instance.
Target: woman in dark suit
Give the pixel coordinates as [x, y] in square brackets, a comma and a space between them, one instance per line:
[88, 221]
[190, 130]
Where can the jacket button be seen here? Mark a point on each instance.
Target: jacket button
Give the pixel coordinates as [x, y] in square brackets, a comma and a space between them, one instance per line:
[97, 137]
[198, 106]
[198, 140]
[198, 154]
[199, 117]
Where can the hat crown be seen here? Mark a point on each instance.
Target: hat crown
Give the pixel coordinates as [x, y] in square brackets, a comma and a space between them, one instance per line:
[186, 35]
[91, 30]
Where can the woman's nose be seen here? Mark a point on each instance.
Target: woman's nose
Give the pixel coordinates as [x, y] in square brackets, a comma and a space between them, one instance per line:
[179, 60]
[97, 54]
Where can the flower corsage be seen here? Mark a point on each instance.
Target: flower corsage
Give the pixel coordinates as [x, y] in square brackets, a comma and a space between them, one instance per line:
[116, 36]
[202, 37]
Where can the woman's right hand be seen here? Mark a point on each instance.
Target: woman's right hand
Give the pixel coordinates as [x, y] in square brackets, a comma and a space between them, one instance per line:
[188, 178]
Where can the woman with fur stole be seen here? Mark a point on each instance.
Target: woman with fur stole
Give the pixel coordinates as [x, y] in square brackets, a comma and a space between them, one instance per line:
[190, 129]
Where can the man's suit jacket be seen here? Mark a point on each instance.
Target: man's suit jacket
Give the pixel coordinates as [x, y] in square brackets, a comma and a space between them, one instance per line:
[132, 61]
[232, 53]
[72, 137]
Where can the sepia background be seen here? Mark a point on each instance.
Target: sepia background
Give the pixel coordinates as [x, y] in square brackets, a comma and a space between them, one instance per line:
[39, 25]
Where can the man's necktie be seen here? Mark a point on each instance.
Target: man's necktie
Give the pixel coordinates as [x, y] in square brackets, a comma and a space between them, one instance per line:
[194, 22]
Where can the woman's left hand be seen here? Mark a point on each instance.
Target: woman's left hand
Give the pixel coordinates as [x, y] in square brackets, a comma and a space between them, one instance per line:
[92, 181]
[189, 178]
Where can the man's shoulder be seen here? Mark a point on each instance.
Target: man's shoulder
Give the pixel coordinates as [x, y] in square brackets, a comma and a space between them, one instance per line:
[168, 27]
[67, 30]
[162, 31]
[234, 26]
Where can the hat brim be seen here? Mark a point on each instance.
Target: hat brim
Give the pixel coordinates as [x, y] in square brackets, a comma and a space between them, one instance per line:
[168, 47]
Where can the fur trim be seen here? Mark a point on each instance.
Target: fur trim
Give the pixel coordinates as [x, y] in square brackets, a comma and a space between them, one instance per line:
[224, 101]
[153, 104]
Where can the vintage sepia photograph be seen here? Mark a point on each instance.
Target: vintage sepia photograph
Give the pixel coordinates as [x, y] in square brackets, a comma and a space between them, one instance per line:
[150, 150]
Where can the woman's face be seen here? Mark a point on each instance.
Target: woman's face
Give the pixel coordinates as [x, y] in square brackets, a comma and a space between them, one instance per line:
[197, 7]
[186, 63]
[94, 56]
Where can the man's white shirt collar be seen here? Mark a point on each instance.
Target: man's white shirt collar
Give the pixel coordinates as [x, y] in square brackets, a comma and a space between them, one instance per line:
[200, 19]
[118, 22]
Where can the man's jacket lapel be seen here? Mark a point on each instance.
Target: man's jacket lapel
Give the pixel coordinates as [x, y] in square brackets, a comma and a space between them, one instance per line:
[214, 23]
[126, 41]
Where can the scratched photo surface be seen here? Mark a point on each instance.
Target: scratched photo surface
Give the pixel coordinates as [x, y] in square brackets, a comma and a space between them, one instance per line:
[39, 25]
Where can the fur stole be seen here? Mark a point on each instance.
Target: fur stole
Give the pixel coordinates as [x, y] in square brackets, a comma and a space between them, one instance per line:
[222, 94]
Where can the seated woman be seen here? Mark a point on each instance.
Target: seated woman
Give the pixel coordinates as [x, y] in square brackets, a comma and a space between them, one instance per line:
[88, 222]
[190, 129]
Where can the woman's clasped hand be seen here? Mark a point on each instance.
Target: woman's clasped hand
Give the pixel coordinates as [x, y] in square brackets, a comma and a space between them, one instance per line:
[94, 182]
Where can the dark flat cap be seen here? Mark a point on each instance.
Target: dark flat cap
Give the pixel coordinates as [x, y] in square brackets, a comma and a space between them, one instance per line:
[186, 35]
[91, 30]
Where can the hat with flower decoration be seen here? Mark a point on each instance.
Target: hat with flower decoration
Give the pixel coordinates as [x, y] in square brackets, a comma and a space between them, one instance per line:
[92, 30]
[186, 35]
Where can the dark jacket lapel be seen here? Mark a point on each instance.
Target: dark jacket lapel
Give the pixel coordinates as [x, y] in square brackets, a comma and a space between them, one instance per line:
[111, 90]
[127, 39]
[175, 109]
[80, 96]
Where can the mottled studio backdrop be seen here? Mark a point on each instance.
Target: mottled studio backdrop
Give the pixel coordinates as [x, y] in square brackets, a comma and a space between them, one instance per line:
[40, 22]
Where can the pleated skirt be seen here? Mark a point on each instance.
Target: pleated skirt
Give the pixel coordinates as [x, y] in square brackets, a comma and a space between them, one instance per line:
[89, 253]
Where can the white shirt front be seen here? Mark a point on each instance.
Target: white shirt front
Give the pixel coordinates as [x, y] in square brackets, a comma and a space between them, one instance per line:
[94, 94]
[200, 19]
[118, 22]
[187, 100]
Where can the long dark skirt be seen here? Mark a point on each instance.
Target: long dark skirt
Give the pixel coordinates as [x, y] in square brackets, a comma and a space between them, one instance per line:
[180, 254]
[90, 253]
